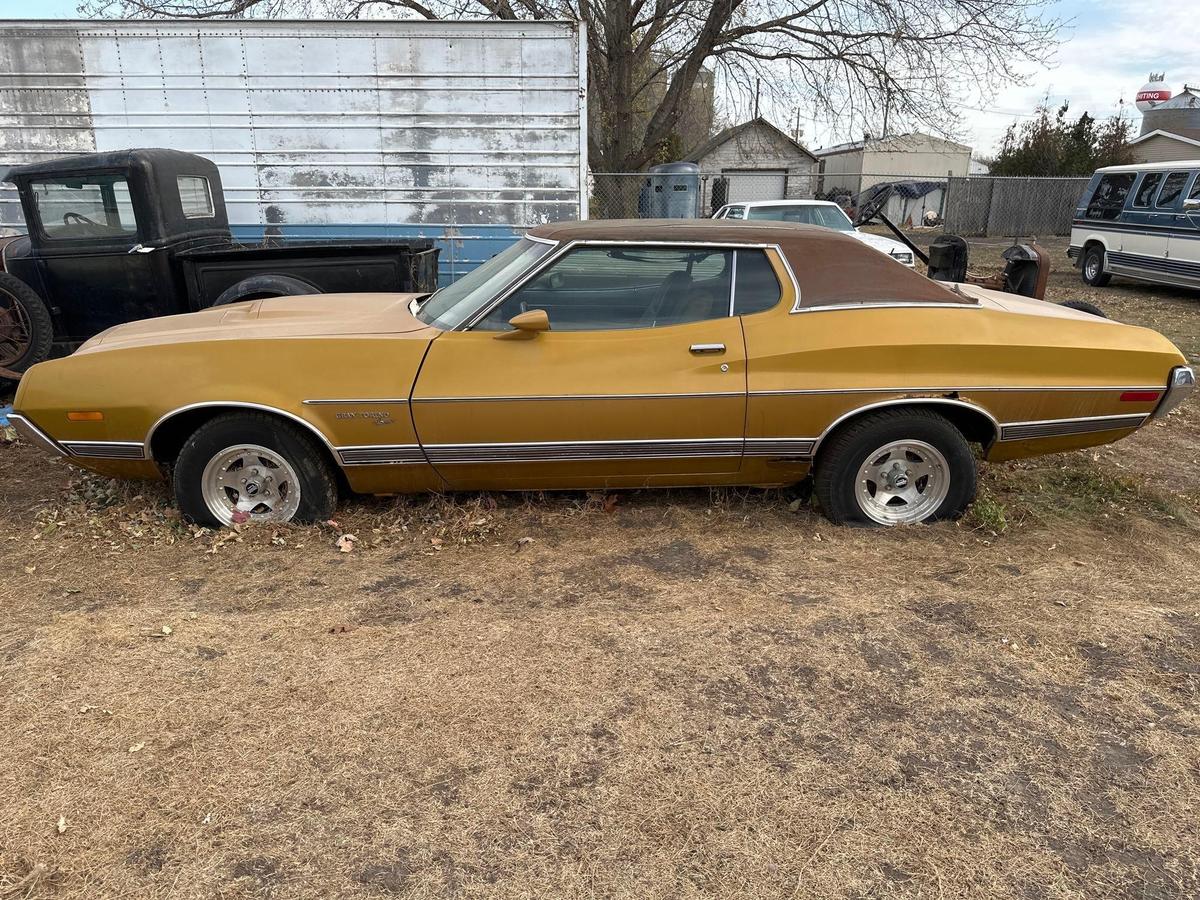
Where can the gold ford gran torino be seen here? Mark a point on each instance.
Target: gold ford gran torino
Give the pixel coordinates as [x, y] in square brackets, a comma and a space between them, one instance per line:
[607, 355]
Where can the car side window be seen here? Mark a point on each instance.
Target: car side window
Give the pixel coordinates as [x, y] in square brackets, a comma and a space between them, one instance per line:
[1145, 191]
[1171, 189]
[1109, 197]
[595, 288]
[736, 212]
[90, 207]
[755, 286]
[1194, 193]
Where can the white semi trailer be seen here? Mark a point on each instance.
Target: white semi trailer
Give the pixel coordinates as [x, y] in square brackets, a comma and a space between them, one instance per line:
[464, 132]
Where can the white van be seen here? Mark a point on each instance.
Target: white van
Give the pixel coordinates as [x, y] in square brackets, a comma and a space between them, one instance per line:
[1142, 222]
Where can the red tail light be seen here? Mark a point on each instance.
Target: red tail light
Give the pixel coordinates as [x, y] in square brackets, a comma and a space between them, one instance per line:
[1140, 396]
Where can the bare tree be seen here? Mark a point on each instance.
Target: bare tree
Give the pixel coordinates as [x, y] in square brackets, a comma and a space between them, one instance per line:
[853, 61]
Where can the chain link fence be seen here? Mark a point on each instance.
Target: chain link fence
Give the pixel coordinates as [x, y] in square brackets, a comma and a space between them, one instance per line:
[973, 206]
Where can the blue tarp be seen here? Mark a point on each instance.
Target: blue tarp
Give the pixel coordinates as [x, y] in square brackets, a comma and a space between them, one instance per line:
[4, 411]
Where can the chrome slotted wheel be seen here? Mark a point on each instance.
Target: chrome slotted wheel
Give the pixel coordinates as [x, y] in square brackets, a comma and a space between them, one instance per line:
[249, 483]
[902, 483]
[1091, 268]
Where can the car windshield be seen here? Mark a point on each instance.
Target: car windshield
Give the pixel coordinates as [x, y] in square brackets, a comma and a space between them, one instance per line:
[455, 303]
[825, 216]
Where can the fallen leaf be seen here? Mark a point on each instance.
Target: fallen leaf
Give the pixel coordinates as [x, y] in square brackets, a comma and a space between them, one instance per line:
[166, 629]
[610, 502]
[29, 570]
[240, 517]
[346, 543]
[62, 824]
[522, 541]
[137, 747]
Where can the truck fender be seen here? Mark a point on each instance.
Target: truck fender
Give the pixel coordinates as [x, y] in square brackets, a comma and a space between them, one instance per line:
[256, 287]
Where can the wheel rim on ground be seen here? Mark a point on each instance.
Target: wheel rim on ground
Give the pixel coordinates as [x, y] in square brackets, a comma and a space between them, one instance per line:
[15, 333]
[249, 483]
[902, 483]
[1092, 266]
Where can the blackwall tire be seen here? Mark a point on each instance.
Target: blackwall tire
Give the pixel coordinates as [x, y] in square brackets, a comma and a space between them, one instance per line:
[1091, 269]
[251, 467]
[1084, 306]
[895, 467]
[26, 328]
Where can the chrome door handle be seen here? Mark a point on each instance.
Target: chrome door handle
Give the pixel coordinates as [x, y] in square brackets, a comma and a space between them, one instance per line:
[708, 348]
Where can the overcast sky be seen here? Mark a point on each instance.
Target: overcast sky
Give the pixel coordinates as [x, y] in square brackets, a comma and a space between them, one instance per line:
[1106, 54]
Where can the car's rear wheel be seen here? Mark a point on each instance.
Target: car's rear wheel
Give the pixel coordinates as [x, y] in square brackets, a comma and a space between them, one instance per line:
[253, 468]
[26, 329]
[895, 467]
[1092, 268]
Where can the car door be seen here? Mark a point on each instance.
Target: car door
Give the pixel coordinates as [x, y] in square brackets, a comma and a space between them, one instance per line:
[89, 255]
[1183, 248]
[640, 379]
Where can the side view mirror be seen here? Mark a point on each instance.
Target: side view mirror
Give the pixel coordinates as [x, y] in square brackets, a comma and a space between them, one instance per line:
[1191, 205]
[528, 324]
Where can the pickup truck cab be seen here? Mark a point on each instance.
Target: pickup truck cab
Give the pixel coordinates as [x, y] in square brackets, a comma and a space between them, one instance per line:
[133, 234]
[1142, 222]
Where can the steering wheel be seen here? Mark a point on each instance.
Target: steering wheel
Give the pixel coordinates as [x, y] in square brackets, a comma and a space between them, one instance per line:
[872, 207]
[79, 217]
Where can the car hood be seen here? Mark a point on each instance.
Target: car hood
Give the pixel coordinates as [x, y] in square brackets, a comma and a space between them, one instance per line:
[313, 315]
[879, 242]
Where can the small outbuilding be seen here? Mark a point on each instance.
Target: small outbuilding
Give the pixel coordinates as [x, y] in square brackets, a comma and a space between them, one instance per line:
[858, 165]
[758, 162]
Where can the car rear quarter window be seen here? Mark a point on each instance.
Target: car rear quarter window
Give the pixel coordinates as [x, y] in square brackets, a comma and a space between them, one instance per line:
[1145, 191]
[1110, 194]
[195, 197]
[1171, 189]
[755, 287]
[1194, 193]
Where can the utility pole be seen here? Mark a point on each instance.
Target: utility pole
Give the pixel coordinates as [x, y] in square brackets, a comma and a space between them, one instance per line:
[757, 91]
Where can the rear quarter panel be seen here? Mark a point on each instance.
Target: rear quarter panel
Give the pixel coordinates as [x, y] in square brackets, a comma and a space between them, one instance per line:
[808, 369]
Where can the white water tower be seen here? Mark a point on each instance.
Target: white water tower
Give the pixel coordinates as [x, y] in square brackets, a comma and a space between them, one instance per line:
[1152, 93]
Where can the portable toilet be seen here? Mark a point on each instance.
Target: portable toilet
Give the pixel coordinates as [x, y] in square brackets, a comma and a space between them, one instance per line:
[671, 191]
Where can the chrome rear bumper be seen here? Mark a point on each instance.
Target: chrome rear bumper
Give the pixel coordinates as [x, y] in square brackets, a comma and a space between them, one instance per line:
[1179, 385]
[30, 432]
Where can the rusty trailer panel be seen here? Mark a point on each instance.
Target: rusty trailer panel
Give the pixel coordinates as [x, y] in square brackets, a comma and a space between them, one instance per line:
[465, 132]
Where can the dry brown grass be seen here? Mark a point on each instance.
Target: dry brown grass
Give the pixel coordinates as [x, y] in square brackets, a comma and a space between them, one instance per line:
[685, 694]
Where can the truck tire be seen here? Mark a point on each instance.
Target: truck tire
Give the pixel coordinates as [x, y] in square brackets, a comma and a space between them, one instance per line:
[258, 287]
[26, 329]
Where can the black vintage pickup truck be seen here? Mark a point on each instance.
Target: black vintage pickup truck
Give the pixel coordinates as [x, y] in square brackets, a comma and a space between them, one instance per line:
[133, 234]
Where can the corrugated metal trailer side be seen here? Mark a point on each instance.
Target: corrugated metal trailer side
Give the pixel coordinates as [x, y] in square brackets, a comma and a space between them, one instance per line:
[465, 132]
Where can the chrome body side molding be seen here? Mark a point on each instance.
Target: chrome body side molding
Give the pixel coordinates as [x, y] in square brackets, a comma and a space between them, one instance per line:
[1023, 431]
[106, 449]
[30, 432]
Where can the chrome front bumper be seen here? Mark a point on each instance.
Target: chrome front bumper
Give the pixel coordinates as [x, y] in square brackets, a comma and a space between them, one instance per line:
[1179, 385]
[30, 432]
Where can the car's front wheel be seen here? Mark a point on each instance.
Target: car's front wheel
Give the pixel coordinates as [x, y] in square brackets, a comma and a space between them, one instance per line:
[895, 467]
[1092, 268]
[253, 468]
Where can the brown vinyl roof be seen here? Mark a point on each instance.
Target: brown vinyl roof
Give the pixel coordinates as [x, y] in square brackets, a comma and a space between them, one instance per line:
[831, 268]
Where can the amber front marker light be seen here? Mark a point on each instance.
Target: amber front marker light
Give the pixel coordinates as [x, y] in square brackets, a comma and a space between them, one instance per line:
[85, 416]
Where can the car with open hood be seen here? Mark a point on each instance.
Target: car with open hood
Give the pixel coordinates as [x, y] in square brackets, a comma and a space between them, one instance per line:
[602, 355]
[824, 213]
